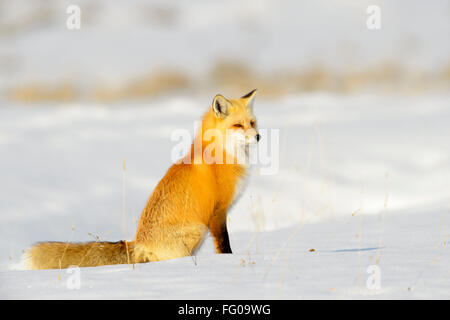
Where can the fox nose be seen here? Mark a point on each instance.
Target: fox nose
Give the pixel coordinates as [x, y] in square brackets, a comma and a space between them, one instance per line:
[258, 137]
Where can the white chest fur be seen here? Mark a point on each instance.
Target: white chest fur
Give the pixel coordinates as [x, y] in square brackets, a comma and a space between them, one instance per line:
[240, 187]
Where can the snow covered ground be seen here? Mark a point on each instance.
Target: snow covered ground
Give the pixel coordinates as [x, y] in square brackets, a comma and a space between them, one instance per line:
[413, 263]
[363, 180]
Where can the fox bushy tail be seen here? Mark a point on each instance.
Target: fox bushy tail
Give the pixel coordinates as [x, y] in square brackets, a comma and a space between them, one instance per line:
[60, 255]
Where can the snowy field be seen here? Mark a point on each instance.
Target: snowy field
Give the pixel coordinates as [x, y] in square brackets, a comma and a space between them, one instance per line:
[363, 180]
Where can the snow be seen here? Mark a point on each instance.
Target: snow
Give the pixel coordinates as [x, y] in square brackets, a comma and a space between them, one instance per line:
[413, 264]
[363, 180]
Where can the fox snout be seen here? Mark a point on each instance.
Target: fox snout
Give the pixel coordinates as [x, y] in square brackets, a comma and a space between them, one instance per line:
[253, 139]
[250, 136]
[255, 136]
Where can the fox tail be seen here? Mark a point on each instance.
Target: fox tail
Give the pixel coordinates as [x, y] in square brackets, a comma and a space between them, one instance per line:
[60, 255]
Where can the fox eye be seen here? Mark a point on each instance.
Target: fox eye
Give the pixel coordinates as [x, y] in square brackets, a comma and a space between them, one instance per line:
[252, 123]
[237, 125]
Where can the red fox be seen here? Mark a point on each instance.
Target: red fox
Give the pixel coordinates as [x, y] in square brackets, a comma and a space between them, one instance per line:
[192, 198]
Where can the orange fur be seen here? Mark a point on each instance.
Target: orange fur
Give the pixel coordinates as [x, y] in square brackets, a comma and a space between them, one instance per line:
[192, 198]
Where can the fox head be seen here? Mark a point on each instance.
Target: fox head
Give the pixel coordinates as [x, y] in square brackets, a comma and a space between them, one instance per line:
[236, 117]
[233, 124]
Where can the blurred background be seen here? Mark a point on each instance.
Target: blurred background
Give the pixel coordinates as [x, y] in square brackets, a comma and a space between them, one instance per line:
[363, 113]
[140, 49]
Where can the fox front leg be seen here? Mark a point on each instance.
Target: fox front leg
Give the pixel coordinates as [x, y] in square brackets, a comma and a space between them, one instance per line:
[218, 227]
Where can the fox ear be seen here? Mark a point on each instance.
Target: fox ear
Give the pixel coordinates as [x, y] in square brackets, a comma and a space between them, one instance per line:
[249, 98]
[220, 106]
